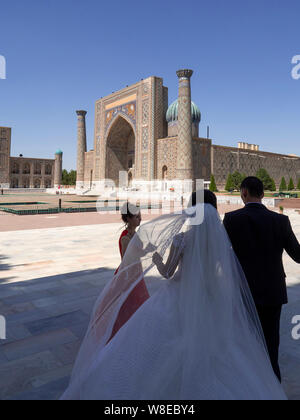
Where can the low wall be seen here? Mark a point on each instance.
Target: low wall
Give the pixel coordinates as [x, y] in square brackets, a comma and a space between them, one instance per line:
[24, 190]
[236, 200]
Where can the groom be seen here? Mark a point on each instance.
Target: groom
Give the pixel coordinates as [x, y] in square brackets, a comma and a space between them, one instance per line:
[259, 237]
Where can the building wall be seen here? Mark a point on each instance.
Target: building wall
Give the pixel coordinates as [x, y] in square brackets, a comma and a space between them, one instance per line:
[89, 167]
[227, 160]
[20, 172]
[31, 173]
[202, 158]
[173, 129]
[5, 146]
[167, 158]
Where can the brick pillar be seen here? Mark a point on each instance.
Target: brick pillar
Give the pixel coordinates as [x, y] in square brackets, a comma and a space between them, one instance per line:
[185, 140]
[81, 147]
[31, 175]
[58, 168]
[43, 171]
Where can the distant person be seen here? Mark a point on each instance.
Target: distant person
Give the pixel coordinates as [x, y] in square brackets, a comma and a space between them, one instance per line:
[259, 237]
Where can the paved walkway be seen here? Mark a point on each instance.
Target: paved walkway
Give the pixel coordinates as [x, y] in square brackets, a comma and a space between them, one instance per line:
[49, 281]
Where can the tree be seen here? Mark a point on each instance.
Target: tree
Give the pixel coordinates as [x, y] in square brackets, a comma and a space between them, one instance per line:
[298, 186]
[65, 177]
[72, 177]
[237, 179]
[229, 183]
[69, 178]
[268, 182]
[291, 185]
[283, 186]
[213, 185]
[273, 185]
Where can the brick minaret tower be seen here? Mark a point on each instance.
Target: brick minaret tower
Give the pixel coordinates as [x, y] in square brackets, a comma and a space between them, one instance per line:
[58, 168]
[185, 144]
[81, 148]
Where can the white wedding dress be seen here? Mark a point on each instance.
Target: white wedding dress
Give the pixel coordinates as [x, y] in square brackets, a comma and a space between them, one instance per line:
[198, 337]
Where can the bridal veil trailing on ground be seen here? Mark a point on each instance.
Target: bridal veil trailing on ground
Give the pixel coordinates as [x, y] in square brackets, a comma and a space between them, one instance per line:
[197, 337]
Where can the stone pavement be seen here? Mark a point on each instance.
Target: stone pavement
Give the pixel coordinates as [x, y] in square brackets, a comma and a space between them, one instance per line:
[49, 281]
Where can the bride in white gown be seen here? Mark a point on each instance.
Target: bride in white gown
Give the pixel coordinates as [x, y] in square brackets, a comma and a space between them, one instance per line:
[197, 337]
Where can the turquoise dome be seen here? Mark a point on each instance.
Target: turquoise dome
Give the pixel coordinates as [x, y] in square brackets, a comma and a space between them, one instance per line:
[172, 113]
[58, 152]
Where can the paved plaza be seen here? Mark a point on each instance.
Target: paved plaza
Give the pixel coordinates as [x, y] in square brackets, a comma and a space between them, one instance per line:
[49, 280]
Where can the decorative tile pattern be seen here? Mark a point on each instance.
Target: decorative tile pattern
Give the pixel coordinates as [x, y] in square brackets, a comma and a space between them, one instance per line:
[167, 157]
[145, 88]
[98, 123]
[145, 138]
[98, 145]
[145, 112]
[129, 110]
[81, 145]
[5, 140]
[185, 151]
[144, 166]
[230, 159]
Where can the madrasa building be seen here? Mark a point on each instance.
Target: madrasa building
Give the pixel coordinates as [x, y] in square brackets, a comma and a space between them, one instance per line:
[22, 172]
[139, 134]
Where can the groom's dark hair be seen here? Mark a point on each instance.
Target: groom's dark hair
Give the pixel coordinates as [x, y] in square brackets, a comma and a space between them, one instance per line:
[254, 186]
[209, 198]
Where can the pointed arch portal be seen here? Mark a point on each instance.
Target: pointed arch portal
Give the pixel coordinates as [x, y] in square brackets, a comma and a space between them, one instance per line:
[120, 149]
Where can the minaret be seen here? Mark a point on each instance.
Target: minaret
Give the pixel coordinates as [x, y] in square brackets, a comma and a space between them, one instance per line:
[185, 140]
[81, 148]
[58, 168]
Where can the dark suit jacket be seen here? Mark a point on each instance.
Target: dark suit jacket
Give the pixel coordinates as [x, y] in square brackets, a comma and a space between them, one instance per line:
[258, 237]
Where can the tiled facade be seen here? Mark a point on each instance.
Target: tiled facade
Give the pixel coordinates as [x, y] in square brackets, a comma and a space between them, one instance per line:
[21, 172]
[132, 135]
[225, 160]
[5, 145]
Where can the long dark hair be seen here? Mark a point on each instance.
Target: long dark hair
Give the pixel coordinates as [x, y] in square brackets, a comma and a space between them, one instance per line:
[209, 198]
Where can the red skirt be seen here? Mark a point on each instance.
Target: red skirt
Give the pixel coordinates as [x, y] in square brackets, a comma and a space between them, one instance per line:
[134, 301]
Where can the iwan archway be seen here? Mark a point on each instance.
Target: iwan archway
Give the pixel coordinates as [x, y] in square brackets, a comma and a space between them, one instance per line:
[120, 150]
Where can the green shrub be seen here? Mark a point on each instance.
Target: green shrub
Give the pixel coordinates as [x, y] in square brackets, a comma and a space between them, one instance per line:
[273, 188]
[229, 184]
[283, 186]
[291, 185]
[213, 185]
[237, 179]
[269, 184]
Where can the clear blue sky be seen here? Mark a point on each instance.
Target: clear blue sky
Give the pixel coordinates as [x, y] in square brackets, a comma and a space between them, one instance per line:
[63, 55]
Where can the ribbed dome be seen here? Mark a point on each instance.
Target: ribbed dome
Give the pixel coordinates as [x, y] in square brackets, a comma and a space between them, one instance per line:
[172, 113]
[58, 152]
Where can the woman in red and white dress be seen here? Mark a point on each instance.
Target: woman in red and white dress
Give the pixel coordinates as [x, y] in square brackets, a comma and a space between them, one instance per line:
[131, 216]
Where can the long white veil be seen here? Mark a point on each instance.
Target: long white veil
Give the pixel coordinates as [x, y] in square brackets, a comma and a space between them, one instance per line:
[213, 347]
